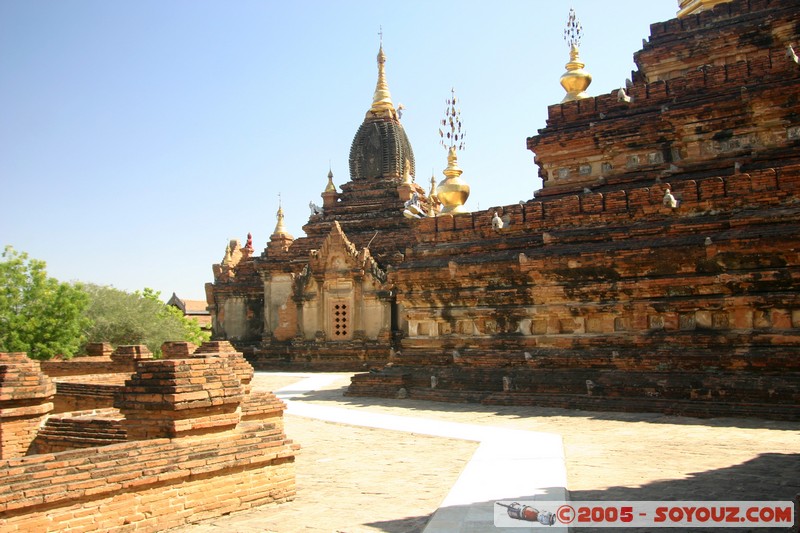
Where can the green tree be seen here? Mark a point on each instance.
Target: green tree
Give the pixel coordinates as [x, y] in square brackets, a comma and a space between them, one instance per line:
[121, 318]
[38, 314]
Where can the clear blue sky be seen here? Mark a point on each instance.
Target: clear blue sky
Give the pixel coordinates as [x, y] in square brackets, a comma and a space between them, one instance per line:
[137, 137]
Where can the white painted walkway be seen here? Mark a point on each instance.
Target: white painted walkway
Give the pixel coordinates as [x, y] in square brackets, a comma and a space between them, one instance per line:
[508, 466]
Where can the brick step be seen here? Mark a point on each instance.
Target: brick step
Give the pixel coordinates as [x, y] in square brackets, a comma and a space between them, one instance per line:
[83, 441]
[718, 393]
[442, 395]
[81, 430]
[695, 408]
[592, 351]
[377, 385]
[777, 387]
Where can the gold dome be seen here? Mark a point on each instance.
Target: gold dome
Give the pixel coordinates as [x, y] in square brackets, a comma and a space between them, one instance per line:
[452, 191]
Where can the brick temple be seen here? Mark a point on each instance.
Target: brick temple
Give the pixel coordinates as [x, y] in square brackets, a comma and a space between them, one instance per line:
[656, 269]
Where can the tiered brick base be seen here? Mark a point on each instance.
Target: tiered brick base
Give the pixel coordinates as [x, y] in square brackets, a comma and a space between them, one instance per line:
[147, 486]
[346, 356]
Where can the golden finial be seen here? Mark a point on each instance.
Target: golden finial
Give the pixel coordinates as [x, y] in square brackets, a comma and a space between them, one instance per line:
[280, 229]
[382, 100]
[330, 187]
[575, 80]
[452, 192]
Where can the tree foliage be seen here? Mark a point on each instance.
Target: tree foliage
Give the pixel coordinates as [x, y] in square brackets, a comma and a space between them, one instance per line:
[121, 318]
[38, 314]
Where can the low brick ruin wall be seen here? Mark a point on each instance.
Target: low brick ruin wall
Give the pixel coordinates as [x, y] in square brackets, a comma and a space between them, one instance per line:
[84, 366]
[186, 440]
[79, 393]
[147, 485]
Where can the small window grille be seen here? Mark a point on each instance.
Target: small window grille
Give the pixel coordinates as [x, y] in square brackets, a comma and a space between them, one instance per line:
[341, 321]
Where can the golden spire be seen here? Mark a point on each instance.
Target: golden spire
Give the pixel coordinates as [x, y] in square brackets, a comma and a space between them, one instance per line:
[280, 229]
[452, 192]
[382, 100]
[330, 187]
[575, 80]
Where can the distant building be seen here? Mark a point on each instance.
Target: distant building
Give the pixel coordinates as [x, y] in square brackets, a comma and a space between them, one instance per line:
[195, 309]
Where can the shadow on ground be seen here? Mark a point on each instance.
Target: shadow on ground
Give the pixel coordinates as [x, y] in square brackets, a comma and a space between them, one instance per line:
[743, 482]
[337, 395]
[479, 517]
[768, 477]
[412, 524]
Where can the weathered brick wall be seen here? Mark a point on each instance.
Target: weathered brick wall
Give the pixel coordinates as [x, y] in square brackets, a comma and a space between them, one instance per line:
[342, 356]
[82, 396]
[712, 90]
[147, 486]
[91, 391]
[612, 297]
[725, 34]
[540, 220]
[25, 400]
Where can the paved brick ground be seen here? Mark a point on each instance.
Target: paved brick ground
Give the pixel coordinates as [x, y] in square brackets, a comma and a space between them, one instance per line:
[359, 480]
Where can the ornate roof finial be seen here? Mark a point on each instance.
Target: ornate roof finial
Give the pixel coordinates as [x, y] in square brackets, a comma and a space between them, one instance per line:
[573, 32]
[382, 100]
[249, 244]
[280, 229]
[454, 138]
[575, 80]
[452, 192]
[330, 187]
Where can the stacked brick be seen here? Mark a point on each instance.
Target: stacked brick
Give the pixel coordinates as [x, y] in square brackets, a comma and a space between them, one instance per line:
[192, 445]
[26, 396]
[225, 350]
[383, 385]
[80, 429]
[132, 352]
[177, 349]
[99, 349]
[178, 397]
